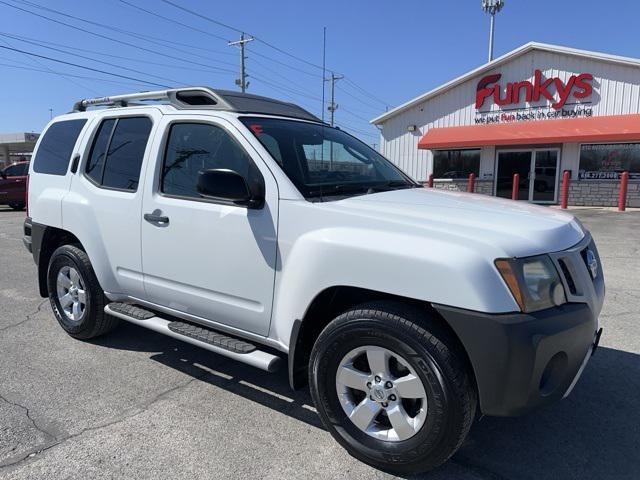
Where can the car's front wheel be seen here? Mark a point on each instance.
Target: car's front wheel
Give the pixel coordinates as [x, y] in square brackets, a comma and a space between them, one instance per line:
[392, 387]
[76, 297]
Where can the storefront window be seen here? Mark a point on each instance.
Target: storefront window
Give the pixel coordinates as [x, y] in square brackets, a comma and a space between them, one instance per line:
[608, 161]
[455, 163]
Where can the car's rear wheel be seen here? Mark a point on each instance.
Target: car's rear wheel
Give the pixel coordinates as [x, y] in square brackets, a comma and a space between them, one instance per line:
[392, 387]
[75, 294]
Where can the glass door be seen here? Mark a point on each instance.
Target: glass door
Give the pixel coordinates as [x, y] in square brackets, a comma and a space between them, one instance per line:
[545, 176]
[537, 170]
[511, 162]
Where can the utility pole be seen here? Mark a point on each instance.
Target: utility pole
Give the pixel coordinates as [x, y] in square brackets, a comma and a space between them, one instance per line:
[333, 106]
[51, 114]
[492, 7]
[242, 81]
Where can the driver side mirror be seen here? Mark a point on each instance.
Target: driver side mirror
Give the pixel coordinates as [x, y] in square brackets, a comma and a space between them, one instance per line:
[224, 184]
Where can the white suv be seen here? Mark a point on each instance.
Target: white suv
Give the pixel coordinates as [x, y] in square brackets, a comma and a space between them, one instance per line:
[246, 226]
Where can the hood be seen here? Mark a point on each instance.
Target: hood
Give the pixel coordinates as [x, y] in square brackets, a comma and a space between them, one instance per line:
[517, 228]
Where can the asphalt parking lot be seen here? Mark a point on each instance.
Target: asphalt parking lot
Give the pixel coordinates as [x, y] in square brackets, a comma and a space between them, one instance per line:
[135, 404]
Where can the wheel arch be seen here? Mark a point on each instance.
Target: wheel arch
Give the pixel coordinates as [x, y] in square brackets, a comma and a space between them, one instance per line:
[45, 241]
[335, 300]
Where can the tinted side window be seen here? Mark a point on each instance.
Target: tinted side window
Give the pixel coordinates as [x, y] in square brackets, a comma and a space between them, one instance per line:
[193, 147]
[17, 170]
[95, 165]
[117, 152]
[126, 150]
[54, 151]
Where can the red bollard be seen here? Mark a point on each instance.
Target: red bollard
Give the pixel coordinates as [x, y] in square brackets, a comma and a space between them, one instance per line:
[622, 196]
[471, 182]
[564, 194]
[515, 187]
[430, 184]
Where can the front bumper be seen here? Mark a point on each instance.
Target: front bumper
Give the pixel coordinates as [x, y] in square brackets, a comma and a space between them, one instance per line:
[523, 361]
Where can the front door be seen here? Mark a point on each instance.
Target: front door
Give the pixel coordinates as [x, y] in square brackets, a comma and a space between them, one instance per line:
[537, 170]
[208, 258]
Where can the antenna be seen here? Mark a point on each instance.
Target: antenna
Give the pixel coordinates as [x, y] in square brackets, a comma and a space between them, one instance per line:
[492, 7]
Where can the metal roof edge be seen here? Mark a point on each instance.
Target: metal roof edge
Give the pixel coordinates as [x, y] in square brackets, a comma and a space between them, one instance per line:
[527, 47]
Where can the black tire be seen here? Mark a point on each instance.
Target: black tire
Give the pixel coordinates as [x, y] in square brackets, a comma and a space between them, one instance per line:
[94, 322]
[17, 206]
[437, 361]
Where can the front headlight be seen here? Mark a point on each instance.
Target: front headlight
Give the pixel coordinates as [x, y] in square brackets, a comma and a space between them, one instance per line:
[533, 282]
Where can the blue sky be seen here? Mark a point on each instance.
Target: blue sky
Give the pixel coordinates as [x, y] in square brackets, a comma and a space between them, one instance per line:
[389, 51]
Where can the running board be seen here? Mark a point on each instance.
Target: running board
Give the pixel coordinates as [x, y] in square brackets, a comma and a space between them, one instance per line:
[196, 335]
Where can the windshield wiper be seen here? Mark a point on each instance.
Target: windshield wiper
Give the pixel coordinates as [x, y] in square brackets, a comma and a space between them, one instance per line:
[339, 189]
[393, 185]
[347, 188]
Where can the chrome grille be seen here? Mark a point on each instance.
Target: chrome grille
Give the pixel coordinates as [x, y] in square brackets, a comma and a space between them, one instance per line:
[579, 285]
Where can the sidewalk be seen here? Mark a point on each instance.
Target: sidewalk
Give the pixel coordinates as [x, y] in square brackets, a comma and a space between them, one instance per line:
[604, 209]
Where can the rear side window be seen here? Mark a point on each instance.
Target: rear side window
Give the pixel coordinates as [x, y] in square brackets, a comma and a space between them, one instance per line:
[56, 147]
[117, 152]
[95, 165]
[18, 170]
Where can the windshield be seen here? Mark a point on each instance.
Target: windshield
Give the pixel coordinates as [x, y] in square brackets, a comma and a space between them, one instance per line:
[326, 163]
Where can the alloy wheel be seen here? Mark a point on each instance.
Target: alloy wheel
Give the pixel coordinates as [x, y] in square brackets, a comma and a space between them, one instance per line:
[71, 293]
[381, 393]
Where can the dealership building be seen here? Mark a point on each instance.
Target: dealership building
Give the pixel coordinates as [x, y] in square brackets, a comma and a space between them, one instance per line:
[537, 111]
[16, 147]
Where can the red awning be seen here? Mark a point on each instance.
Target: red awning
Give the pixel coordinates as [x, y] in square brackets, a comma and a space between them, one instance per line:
[614, 128]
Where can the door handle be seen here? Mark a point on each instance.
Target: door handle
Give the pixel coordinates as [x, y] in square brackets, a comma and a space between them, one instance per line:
[156, 219]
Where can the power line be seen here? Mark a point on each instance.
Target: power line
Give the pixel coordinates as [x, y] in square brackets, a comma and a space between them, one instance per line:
[367, 103]
[147, 38]
[360, 132]
[316, 75]
[71, 49]
[182, 60]
[204, 17]
[275, 72]
[276, 48]
[355, 115]
[219, 23]
[365, 92]
[66, 74]
[172, 20]
[38, 62]
[284, 88]
[103, 62]
[84, 67]
[106, 37]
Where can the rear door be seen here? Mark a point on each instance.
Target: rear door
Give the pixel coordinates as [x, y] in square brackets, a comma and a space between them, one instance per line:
[210, 259]
[14, 186]
[105, 200]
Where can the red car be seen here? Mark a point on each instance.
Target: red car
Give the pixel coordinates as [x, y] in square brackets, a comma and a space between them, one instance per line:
[13, 185]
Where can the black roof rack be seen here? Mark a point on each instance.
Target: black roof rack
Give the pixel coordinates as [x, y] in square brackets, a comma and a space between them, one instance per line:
[204, 98]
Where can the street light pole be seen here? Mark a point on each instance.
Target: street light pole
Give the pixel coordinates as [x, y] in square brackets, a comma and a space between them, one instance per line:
[492, 7]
